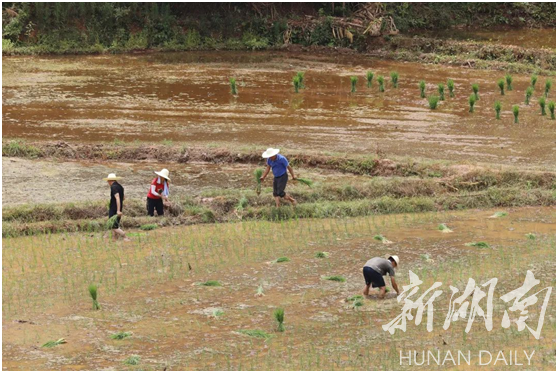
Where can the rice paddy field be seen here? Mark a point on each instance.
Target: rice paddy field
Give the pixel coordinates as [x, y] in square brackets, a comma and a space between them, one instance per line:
[226, 281]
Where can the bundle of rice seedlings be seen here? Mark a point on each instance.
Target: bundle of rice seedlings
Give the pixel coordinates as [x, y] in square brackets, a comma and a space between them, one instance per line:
[501, 86]
[369, 78]
[93, 292]
[498, 108]
[530, 236]
[354, 81]
[547, 85]
[357, 303]
[242, 203]
[232, 81]
[132, 360]
[422, 86]
[322, 254]
[394, 78]
[260, 291]
[51, 344]
[509, 80]
[381, 83]
[441, 88]
[335, 278]
[216, 313]
[120, 335]
[296, 83]
[499, 214]
[444, 228]
[307, 182]
[472, 101]
[451, 86]
[282, 259]
[279, 316]
[534, 79]
[515, 110]
[110, 222]
[209, 283]
[148, 227]
[480, 244]
[256, 333]
[300, 76]
[433, 102]
[258, 173]
[475, 88]
[551, 107]
[381, 238]
[352, 298]
[542, 104]
[528, 94]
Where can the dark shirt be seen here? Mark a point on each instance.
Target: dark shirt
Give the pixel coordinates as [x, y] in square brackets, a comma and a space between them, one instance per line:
[116, 188]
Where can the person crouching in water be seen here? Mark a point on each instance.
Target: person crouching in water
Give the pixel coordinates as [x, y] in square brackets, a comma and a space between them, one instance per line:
[374, 271]
[115, 206]
[158, 195]
[279, 165]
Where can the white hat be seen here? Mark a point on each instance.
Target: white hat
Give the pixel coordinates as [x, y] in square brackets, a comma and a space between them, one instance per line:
[164, 173]
[270, 152]
[112, 177]
[395, 259]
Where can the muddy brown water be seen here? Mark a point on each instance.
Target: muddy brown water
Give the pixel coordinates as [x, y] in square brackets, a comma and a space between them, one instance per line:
[185, 97]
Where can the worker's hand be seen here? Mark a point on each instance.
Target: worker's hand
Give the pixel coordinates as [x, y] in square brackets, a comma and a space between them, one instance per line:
[119, 213]
[262, 178]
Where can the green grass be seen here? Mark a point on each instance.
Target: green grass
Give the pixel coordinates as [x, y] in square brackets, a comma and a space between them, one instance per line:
[148, 227]
[499, 214]
[534, 79]
[422, 86]
[232, 82]
[93, 293]
[509, 81]
[530, 236]
[242, 203]
[551, 108]
[335, 278]
[210, 283]
[216, 313]
[433, 102]
[547, 85]
[425, 257]
[352, 298]
[475, 88]
[501, 85]
[528, 93]
[451, 87]
[51, 344]
[354, 81]
[480, 244]
[132, 360]
[472, 101]
[255, 333]
[381, 83]
[394, 78]
[369, 78]
[120, 335]
[279, 316]
[515, 111]
[441, 88]
[542, 104]
[19, 148]
[322, 254]
[282, 259]
[498, 108]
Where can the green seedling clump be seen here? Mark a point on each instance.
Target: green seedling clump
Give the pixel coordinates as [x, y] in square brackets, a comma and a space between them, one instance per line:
[335, 278]
[256, 333]
[354, 81]
[381, 238]
[300, 75]
[451, 86]
[441, 88]
[296, 83]
[476, 91]
[528, 94]
[260, 291]
[51, 344]
[258, 173]
[232, 81]
[547, 86]
[322, 254]
[530, 236]
[499, 214]
[282, 259]
[120, 335]
[216, 313]
[551, 107]
[444, 228]
[132, 360]
[515, 110]
[422, 86]
[498, 108]
[534, 79]
[210, 283]
[472, 101]
[542, 104]
[352, 298]
[148, 227]
[433, 102]
[369, 79]
[501, 86]
[242, 203]
[93, 292]
[394, 78]
[381, 83]
[509, 81]
[279, 316]
[480, 244]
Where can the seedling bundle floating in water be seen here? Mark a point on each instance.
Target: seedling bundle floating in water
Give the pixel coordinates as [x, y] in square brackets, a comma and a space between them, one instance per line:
[282, 259]
[444, 228]
[209, 283]
[499, 214]
[381, 238]
[258, 173]
[279, 316]
[51, 344]
[335, 278]
[322, 254]
[480, 244]
[93, 292]
[530, 236]
[120, 335]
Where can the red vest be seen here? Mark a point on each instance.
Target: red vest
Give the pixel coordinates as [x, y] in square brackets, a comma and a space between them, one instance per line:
[158, 188]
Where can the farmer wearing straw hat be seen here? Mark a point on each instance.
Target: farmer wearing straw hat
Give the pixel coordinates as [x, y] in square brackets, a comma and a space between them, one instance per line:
[279, 165]
[158, 195]
[115, 206]
[375, 269]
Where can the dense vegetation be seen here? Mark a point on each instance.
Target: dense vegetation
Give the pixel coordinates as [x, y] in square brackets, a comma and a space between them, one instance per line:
[118, 27]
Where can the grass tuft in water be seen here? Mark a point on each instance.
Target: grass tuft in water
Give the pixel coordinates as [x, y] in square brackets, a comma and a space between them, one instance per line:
[441, 88]
[369, 78]
[93, 293]
[547, 85]
[51, 344]
[335, 278]
[354, 81]
[282, 259]
[528, 94]
[515, 111]
[534, 79]
[433, 102]
[381, 83]
[256, 333]
[501, 86]
[542, 104]
[422, 86]
[472, 101]
[209, 283]
[444, 228]
[322, 254]
[148, 227]
[296, 83]
[132, 360]
[258, 173]
[232, 82]
[451, 87]
[394, 78]
[551, 107]
[475, 88]
[279, 316]
[499, 214]
[120, 335]
[509, 81]
[480, 244]
[498, 108]
[530, 236]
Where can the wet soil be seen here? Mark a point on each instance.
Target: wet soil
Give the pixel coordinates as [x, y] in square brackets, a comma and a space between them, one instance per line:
[185, 97]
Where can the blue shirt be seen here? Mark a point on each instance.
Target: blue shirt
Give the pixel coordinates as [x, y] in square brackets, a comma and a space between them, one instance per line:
[278, 166]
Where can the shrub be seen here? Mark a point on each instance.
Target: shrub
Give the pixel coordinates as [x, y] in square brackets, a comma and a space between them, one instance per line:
[192, 40]
[433, 102]
[8, 47]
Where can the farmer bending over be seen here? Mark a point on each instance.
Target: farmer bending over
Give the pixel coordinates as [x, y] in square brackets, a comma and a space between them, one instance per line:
[115, 207]
[279, 164]
[158, 195]
[375, 269]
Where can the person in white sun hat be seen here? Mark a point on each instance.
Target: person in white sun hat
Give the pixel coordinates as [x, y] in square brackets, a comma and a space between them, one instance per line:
[374, 271]
[115, 206]
[279, 165]
[158, 195]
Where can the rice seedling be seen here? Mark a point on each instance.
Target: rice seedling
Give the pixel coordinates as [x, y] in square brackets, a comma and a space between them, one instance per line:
[542, 104]
[480, 244]
[551, 107]
[256, 333]
[216, 313]
[422, 86]
[425, 256]
[260, 291]
[232, 81]
[498, 108]
[441, 88]
[369, 78]
[279, 316]
[472, 101]
[381, 83]
[242, 203]
[451, 86]
[120, 335]
[148, 227]
[528, 94]
[51, 344]
[509, 81]
[547, 85]
[296, 83]
[501, 86]
[213, 283]
[444, 228]
[394, 78]
[300, 75]
[282, 259]
[433, 102]
[499, 214]
[475, 88]
[322, 254]
[305, 181]
[110, 222]
[515, 110]
[335, 278]
[534, 79]
[352, 298]
[357, 303]
[132, 360]
[381, 238]
[530, 236]
[354, 81]
[258, 173]
[93, 292]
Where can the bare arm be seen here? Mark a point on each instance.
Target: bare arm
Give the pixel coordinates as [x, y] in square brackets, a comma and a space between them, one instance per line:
[118, 205]
[265, 173]
[394, 284]
[291, 172]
